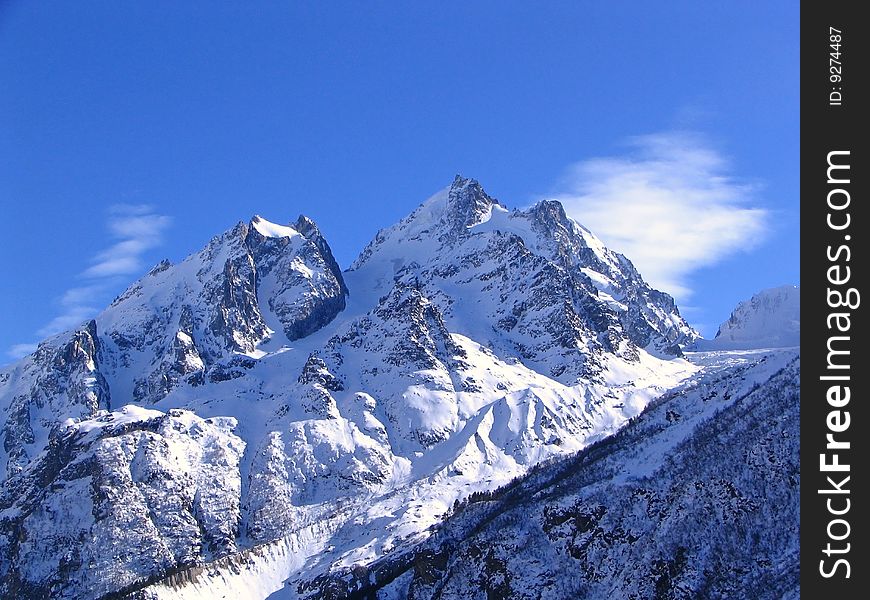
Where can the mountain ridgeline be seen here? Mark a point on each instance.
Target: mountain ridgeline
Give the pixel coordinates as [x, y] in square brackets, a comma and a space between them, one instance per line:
[255, 405]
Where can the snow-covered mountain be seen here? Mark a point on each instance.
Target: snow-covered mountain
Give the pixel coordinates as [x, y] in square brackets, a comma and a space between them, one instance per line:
[656, 511]
[255, 401]
[202, 321]
[770, 319]
[534, 281]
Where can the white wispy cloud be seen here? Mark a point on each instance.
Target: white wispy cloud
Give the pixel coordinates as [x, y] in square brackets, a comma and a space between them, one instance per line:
[136, 228]
[21, 350]
[668, 204]
[72, 315]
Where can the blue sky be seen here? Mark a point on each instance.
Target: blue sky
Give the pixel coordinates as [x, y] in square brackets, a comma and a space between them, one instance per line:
[134, 131]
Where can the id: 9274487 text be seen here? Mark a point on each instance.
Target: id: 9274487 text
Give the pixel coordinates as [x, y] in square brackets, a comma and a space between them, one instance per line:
[835, 67]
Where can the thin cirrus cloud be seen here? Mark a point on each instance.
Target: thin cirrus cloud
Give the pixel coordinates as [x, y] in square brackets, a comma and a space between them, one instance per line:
[19, 350]
[136, 228]
[669, 205]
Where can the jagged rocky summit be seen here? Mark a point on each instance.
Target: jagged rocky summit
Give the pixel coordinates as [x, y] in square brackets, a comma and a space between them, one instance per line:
[253, 395]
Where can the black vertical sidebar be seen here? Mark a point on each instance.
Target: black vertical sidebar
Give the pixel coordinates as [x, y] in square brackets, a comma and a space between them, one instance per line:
[835, 421]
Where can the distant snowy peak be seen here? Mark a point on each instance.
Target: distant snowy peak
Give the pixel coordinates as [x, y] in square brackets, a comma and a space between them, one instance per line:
[770, 319]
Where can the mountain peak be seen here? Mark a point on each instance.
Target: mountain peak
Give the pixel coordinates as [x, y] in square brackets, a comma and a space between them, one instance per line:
[550, 209]
[309, 230]
[460, 182]
[467, 202]
[306, 226]
[272, 230]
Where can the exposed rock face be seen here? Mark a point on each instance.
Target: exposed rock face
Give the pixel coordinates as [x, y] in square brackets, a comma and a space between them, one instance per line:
[180, 321]
[61, 379]
[119, 498]
[649, 317]
[309, 229]
[305, 288]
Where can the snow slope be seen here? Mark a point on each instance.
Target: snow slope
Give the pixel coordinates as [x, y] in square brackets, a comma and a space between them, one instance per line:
[656, 511]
